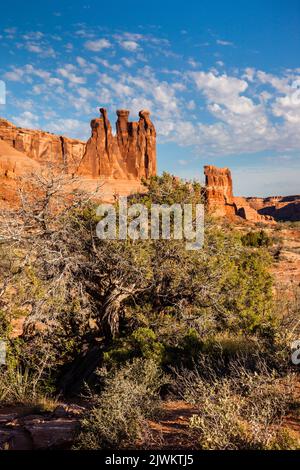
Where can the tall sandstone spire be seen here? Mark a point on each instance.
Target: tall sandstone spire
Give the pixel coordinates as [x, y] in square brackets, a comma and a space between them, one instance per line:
[130, 154]
[219, 193]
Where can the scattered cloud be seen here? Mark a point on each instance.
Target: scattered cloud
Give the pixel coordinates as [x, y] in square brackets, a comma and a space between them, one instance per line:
[26, 119]
[224, 43]
[14, 75]
[131, 46]
[42, 51]
[68, 73]
[223, 90]
[97, 45]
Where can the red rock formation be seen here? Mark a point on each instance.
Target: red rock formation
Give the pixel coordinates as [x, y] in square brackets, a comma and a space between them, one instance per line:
[219, 195]
[13, 165]
[130, 154]
[220, 200]
[118, 162]
[44, 147]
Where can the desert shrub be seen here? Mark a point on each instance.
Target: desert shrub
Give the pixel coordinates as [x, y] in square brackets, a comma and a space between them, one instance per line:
[25, 378]
[132, 298]
[118, 416]
[287, 309]
[167, 189]
[256, 239]
[290, 224]
[22, 385]
[4, 325]
[240, 411]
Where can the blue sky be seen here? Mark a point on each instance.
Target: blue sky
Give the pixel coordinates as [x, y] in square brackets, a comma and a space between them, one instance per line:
[222, 79]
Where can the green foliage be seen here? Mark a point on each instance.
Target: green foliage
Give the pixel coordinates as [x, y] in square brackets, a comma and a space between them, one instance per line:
[145, 341]
[141, 343]
[24, 385]
[5, 326]
[256, 239]
[167, 189]
[248, 297]
[147, 305]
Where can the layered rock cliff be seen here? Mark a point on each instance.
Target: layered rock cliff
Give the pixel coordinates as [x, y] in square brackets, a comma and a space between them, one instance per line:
[130, 154]
[44, 147]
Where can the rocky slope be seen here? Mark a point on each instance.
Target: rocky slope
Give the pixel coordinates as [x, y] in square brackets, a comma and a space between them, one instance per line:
[13, 165]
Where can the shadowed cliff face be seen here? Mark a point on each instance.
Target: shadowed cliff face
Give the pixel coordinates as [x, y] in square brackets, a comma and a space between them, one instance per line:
[130, 154]
[280, 207]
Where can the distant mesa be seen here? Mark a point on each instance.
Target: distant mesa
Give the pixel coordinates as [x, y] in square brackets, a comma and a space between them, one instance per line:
[285, 208]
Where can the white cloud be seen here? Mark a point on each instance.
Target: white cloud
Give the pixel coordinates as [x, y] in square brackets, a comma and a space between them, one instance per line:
[193, 63]
[249, 74]
[218, 113]
[279, 83]
[33, 35]
[105, 63]
[224, 43]
[97, 45]
[43, 51]
[85, 93]
[71, 127]
[128, 62]
[67, 72]
[129, 45]
[224, 90]
[288, 107]
[15, 75]
[87, 67]
[164, 94]
[26, 119]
